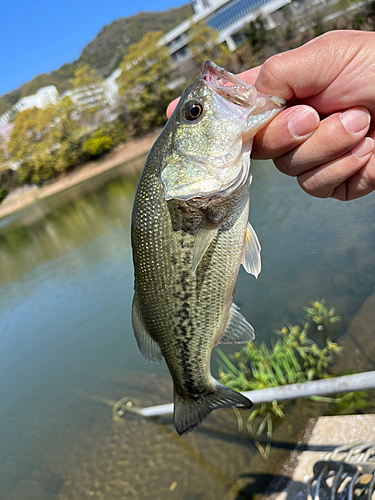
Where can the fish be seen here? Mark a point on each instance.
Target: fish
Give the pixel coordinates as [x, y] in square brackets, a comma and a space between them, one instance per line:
[190, 234]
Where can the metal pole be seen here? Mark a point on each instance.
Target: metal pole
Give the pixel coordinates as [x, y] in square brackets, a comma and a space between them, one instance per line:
[347, 383]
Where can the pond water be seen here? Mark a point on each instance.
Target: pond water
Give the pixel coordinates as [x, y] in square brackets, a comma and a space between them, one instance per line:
[67, 351]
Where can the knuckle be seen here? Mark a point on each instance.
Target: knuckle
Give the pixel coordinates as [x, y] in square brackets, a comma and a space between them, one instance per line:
[317, 183]
[328, 35]
[307, 183]
[284, 164]
[313, 188]
[271, 68]
[272, 73]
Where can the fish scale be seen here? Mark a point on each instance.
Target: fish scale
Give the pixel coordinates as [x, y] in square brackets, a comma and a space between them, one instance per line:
[187, 249]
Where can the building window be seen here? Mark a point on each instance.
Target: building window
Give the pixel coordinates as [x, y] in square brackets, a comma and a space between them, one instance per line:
[180, 54]
[232, 12]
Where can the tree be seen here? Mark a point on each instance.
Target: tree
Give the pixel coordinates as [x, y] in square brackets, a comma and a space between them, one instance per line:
[83, 77]
[357, 21]
[45, 142]
[3, 155]
[258, 34]
[8, 181]
[318, 25]
[88, 96]
[204, 44]
[143, 82]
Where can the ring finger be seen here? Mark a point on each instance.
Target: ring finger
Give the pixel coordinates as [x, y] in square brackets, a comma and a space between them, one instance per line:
[330, 179]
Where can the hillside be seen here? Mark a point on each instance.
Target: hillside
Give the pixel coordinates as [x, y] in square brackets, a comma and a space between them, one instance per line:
[105, 51]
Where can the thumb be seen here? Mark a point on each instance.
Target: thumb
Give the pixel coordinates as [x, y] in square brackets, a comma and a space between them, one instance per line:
[308, 70]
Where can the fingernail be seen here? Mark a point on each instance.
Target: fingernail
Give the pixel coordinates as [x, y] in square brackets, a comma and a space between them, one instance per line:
[303, 122]
[355, 120]
[363, 148]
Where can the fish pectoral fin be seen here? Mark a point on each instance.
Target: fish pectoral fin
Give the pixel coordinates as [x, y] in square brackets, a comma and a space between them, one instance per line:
[238, 330]
[251, 260]
[189, 413]
[147, 345]
[206, 232]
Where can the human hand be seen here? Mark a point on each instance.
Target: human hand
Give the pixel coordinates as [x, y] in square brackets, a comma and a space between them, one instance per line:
[334, 75]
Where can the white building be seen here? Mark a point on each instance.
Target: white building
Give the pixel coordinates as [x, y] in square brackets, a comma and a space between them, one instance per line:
[5, 117]
[42, 98]
[111, 86]
[228, 18]
[104, 93]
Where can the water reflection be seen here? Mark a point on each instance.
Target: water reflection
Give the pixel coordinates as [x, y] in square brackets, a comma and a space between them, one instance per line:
[65, 292]
[57, 226]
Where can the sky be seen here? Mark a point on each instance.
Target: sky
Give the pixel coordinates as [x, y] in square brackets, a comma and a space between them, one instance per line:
[39, 36]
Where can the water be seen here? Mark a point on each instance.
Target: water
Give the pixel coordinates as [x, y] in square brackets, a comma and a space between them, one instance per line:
[67, 351]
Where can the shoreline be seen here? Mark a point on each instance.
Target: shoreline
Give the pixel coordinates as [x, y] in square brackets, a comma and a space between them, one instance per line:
[120, 154]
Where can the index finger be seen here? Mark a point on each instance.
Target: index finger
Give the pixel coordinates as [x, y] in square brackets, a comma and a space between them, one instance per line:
[172, 107]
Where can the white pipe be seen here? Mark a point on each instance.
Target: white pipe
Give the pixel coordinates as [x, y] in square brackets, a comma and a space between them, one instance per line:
[347, 383]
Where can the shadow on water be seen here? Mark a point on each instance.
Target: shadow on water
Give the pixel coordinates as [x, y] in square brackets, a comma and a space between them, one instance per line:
[246, 440]
[66, 283]
[259, 483]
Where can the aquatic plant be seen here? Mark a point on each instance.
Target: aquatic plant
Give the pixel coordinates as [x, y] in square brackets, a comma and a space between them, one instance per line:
[293, 358]
[321, 318]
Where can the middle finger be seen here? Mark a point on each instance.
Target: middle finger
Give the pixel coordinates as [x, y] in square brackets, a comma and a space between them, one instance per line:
[335, 136]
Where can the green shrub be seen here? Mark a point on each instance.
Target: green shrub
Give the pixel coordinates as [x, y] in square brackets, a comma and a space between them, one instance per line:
[3, 193]
[100, 142]
[8, 182]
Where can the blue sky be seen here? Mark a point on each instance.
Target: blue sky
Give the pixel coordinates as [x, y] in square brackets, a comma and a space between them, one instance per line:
[39, 36]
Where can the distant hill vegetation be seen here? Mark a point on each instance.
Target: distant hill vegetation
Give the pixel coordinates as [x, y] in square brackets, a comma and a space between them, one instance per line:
[104, 52]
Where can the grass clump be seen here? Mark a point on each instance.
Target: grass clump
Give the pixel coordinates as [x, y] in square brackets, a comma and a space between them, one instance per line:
[293, 358]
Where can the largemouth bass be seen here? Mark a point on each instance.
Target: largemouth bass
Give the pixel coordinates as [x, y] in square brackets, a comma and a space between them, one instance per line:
[190, 233]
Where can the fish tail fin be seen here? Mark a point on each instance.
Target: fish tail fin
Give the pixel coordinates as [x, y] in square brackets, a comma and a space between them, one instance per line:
[189, 412]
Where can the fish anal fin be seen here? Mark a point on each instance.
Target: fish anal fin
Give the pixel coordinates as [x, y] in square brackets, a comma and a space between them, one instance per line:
[147, 345]
[238, 330]
[189, 412]
[251, 260]
[206, 232]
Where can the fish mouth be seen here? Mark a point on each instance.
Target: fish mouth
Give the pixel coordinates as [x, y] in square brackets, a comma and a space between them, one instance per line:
[213, 74]
[232, 88]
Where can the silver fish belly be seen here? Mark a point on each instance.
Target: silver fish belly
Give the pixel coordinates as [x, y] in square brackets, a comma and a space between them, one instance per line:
[190, 233]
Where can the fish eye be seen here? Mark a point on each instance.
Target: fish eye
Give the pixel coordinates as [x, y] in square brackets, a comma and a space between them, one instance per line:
[192, 111]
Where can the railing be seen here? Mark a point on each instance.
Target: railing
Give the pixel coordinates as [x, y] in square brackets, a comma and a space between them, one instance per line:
[347, 383]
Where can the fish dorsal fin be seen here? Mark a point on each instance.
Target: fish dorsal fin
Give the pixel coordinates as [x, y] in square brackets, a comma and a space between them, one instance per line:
[206, 232]
[147, 345]
[251, 252]
[238, 330]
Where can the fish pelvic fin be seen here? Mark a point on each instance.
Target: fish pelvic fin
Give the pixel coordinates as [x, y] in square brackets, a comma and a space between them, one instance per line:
[251, 260]
[206, 232]
[190, 412]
